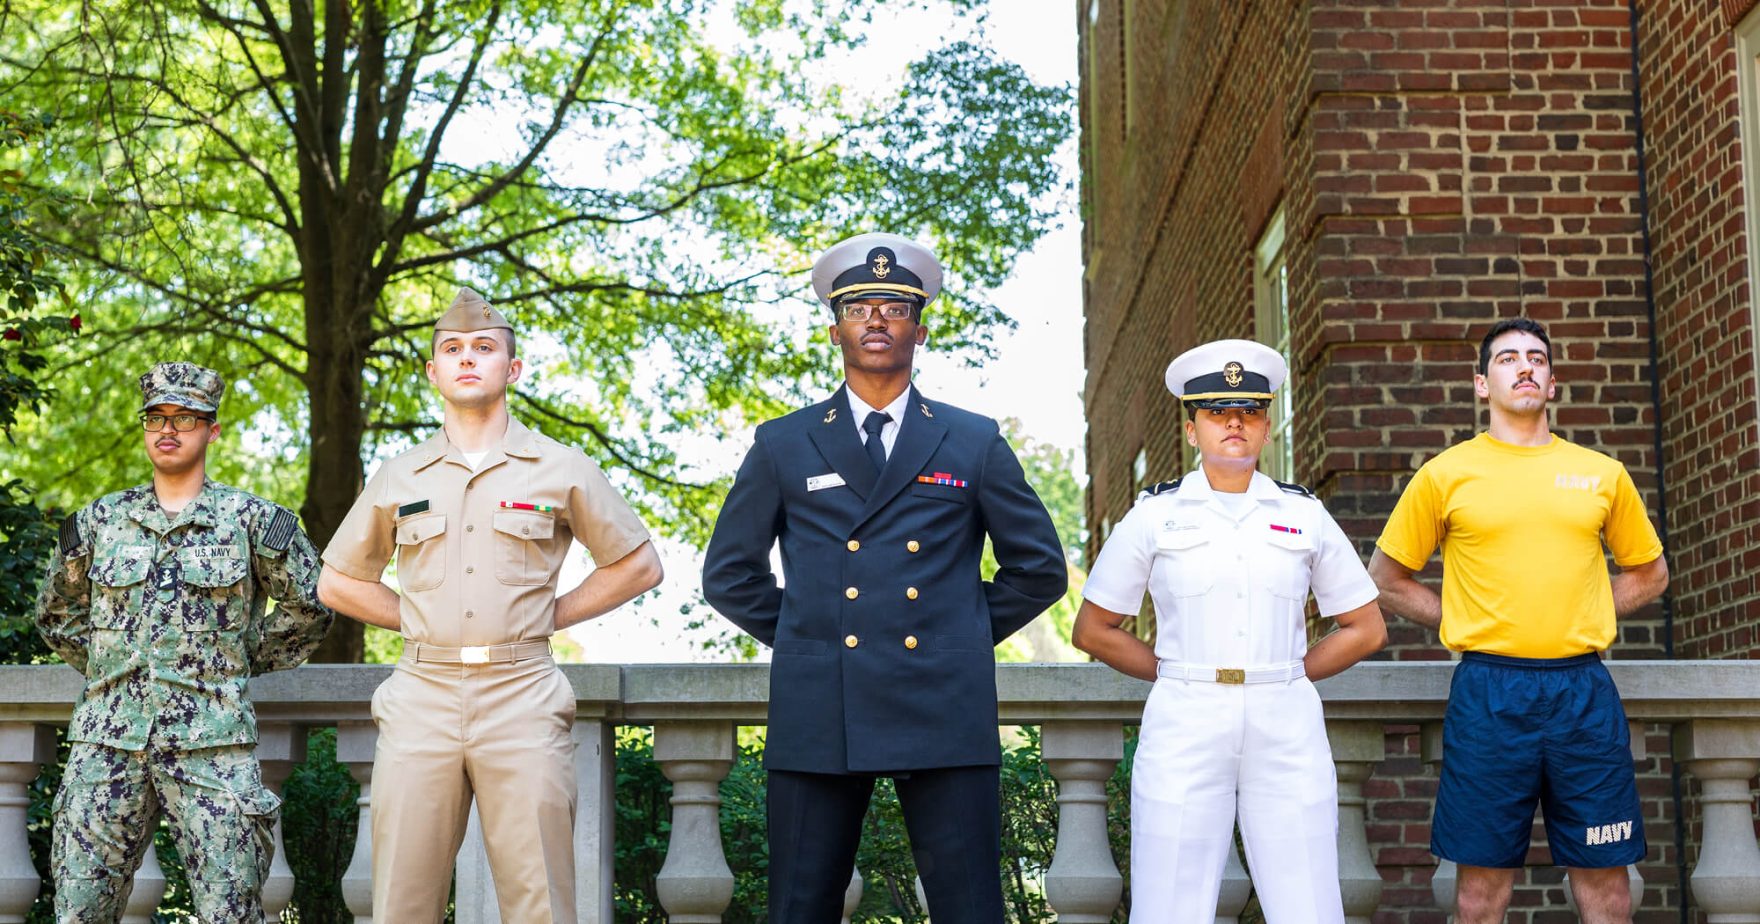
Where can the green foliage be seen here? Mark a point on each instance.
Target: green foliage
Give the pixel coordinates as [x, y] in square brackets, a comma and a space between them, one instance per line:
[27, 536]
[319, 819]
[1029, 825]
[25, 277]
[291, 198]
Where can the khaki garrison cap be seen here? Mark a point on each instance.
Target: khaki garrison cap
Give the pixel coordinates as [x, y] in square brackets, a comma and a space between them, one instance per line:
[470, 312]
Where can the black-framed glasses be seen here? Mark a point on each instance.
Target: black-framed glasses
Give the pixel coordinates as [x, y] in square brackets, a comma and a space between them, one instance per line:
[182, 423]
[891, 311]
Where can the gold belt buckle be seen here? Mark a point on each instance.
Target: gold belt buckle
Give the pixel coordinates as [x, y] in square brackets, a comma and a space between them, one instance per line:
[1230, 675]
[473, 654]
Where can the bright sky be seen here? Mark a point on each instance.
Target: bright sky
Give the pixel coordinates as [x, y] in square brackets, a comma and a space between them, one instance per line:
[1036, 377]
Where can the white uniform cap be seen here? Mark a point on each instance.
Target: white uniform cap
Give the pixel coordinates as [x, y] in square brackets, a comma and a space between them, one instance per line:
[1227, 373]
[876, 264]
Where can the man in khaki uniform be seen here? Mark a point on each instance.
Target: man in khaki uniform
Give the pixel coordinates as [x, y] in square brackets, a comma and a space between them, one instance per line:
[480, 517]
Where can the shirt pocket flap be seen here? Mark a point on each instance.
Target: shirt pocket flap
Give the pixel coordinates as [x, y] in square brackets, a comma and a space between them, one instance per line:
[1294, 541]
[211, 569]
[421, 529]
[522, 525]
[1181, 537]
[122, 570]
[258, 802]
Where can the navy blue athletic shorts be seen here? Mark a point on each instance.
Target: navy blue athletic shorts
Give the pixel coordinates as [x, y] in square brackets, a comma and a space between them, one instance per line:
[1527, 731]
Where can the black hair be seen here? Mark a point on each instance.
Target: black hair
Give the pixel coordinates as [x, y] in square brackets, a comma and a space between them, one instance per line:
[1525, 325]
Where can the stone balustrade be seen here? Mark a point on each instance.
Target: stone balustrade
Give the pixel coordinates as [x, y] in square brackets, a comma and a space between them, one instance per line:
[1082, 709]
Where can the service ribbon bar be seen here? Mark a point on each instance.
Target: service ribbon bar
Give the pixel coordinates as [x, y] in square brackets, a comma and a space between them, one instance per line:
[941, 478]
[516, 505]
[1286, 529]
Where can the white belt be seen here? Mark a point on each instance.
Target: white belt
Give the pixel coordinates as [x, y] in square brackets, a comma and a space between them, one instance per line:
[1175, 670]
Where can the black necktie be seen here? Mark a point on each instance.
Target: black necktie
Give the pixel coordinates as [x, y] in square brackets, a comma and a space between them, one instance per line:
[876, 447]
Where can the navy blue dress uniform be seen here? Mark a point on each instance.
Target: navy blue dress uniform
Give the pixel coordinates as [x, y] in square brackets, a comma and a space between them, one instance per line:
[883, 631]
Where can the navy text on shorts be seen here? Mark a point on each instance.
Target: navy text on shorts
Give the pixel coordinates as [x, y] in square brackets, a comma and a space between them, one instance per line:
[1527, 731]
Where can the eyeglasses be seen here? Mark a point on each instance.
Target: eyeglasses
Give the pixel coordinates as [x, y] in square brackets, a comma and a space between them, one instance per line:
[182, 423]
[891, 311]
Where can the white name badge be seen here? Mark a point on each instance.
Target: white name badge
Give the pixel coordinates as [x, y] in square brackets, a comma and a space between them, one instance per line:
[821, 482]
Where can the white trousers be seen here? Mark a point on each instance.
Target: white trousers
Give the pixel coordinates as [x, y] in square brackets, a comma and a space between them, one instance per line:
[1210, 753]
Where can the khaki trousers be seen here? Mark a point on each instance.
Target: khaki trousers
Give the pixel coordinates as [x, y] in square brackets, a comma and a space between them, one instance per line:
[500, 732]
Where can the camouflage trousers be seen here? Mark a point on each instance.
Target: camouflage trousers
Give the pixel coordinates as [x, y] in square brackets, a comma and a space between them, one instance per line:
[222, 820]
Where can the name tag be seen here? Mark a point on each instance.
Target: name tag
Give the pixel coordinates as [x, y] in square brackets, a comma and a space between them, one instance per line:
[821, 482]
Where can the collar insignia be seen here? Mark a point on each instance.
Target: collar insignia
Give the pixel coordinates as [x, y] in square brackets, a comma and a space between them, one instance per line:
[831, 415]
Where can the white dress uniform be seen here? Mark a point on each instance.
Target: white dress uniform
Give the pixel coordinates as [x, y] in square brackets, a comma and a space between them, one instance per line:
[1233, 728]
[1232, 725]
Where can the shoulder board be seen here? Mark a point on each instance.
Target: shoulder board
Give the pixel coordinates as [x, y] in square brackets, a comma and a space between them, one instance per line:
[1165, 487]
[281, 529]
[70, 537]
[1293, 488]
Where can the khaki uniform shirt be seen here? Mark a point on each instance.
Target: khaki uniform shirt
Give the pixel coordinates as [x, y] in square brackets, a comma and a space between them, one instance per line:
[478, 552]
[167, 615]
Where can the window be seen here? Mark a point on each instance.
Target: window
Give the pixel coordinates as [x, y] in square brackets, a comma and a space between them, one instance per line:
[1748, 90]
[1271, 324]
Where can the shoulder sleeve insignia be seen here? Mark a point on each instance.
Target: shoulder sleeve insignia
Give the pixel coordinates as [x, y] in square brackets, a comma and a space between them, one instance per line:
[1165, 487]
[281, 530]
[70, 537]
[1293, 488]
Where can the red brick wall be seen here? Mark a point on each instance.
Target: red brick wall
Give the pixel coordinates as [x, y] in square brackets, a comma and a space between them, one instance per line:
[1443, 163]
[1705, 325]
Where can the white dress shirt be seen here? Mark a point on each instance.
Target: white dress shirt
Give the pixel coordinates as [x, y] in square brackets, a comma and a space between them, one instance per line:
[859, 410]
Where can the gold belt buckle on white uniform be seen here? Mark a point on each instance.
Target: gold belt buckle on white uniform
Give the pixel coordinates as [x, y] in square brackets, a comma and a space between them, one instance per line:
[479, 654]
[1230, 675]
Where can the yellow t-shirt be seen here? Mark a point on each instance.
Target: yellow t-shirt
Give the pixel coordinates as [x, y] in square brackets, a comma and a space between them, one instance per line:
[1521, 530]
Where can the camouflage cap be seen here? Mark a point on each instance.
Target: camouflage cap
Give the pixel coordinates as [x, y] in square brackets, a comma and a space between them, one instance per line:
[183, 384]
[471, 312]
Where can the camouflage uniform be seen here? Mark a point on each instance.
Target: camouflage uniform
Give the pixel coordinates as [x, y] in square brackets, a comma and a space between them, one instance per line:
[166, 616]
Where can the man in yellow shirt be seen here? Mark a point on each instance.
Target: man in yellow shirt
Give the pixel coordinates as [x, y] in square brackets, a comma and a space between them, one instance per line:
[1533, 717]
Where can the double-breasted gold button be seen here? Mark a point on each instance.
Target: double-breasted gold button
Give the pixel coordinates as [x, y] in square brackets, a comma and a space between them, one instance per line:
[910, 593]
[850, 641]
[851, 592]
[912, 545]
[910, 641]
[854, 546]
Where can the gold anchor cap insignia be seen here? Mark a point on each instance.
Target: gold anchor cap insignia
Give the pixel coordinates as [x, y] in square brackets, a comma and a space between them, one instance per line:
[1231, 374]
[882, 266]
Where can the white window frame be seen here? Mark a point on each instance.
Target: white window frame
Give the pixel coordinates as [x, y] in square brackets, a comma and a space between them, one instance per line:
[1748, 129]
[1271, 327]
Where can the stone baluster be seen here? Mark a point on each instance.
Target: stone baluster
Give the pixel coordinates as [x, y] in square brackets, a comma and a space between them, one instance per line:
[1634, 879]
[355, 744]
[1444, 881]
[149, 889]
[24, 748]
[1236, 888]
[1083, 883]
[852, 896]
[1725, 755]
[280, 747]
[473, 885]
[1356, 748]
[695, 883]
[595, 755]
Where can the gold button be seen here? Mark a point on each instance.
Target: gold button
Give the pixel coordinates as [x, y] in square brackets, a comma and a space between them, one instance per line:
[849, 641]
[854, 546]
[851, 593]
[912, 545]
[910, 593]
[910, 641]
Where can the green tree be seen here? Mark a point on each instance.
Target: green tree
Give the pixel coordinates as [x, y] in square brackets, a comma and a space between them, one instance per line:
[1051, 470]
[290, 191]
